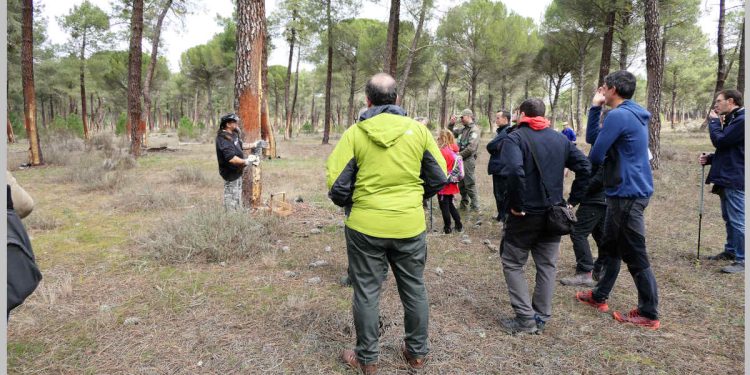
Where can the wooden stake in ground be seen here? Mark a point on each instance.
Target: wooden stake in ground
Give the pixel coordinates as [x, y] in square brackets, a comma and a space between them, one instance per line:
[134, 78]
[248, 93]
[27, 72]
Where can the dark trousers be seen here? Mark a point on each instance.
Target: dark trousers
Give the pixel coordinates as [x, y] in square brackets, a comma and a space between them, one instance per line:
[369, 258]
[590, 222]
[448, 209]
[499, 191]
[625, 240]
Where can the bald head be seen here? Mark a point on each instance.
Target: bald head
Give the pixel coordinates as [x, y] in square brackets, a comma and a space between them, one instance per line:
[381, 89]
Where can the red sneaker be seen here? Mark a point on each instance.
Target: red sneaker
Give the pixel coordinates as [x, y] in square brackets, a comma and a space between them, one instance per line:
[588, 298]
[636, 318]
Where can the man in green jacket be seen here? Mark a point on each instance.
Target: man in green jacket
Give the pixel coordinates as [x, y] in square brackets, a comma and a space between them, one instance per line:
[380, 172]
[468, 142]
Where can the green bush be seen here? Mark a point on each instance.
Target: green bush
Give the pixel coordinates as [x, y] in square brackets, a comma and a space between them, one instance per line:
[484, 124]
[16, 122]
[306, 128]
[122, 123]
[72, 123]
[185, 129]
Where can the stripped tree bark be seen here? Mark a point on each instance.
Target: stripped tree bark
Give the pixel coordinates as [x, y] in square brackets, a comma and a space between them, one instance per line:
[248, 96]
[27, 72]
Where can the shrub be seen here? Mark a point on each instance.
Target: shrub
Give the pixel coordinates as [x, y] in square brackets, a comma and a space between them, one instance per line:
[71, 123]
[185, 129]
[59, 145]
[122, 124]
[209, 234]
[147, 199]
[41, 221]
[307, 128]
[190, 175]
[93, 172]
[484, 124]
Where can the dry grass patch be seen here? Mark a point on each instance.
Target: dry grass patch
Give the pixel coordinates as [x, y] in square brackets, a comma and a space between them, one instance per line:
[209, 234]
[190, 175]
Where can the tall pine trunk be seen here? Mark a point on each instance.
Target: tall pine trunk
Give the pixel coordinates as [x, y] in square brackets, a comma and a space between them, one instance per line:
[721, 66]
[248, 101]
[329, 76]
[413, 51]
[741, 71]
[444, 97]
[287, 109]
[27, 72]
[607, 47]
[352, 87]
[83, 89]
[152, 65]
[296, 84]
[654, 72]
[391, 44]
[134, 78]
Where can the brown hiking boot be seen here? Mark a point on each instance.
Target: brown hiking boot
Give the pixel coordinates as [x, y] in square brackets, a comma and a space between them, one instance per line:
[582, 279]
[349, 357]
[415, 363]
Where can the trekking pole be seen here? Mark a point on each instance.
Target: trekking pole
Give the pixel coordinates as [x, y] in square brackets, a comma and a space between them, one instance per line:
[430, 214]
[700, 212]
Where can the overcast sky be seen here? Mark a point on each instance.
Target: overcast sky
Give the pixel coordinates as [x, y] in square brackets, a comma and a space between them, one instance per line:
[201, 25]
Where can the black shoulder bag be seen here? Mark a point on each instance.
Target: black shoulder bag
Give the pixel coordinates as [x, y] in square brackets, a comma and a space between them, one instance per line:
[560, 217]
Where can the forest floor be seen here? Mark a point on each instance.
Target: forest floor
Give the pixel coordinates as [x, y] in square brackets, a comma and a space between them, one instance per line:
[119, 294]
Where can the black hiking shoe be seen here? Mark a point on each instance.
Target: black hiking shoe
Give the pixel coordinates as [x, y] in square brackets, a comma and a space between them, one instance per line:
[724, 255]
[518, 325]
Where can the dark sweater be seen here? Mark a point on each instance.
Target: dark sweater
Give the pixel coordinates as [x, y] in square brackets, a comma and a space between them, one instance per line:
[554, 152]
[494, 147]
[728, 162]
[229, 145]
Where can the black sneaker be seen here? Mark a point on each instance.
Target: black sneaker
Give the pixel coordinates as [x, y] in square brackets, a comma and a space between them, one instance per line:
[447, 230]
[724, 255]
[518, 325]
[459, 228]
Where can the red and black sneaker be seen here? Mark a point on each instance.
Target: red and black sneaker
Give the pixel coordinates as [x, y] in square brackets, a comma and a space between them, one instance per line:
[634, 317]
[588, 298]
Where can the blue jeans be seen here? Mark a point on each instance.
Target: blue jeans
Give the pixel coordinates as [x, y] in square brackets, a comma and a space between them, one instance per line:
[733, 213]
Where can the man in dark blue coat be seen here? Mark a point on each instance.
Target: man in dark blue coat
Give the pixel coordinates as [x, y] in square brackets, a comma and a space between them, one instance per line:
[628, 184]
[728, 173]
[531, 192]
[502, 120]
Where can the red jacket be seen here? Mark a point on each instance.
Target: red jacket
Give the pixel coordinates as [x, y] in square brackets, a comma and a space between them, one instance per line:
[449, 155]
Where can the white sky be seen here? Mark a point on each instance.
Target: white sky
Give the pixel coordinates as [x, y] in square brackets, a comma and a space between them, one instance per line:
[201, 26]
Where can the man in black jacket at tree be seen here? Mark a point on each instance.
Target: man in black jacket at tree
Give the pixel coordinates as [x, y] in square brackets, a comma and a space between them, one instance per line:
[502, 120]
[529, 197]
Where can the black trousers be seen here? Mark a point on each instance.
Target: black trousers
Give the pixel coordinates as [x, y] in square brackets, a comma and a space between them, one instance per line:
[499, 191]
[590, 222]
[448, 209]
[625, 240]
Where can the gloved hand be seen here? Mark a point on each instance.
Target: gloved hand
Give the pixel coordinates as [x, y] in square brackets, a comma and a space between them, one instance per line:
[252, 159]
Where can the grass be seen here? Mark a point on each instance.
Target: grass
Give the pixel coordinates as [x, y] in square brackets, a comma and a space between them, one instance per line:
[220, 311]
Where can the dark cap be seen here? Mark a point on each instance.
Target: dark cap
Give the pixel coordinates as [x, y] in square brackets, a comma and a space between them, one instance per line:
[231, 117]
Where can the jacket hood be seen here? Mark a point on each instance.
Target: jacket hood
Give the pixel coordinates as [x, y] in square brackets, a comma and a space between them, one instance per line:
[640, 113]
[385, 133]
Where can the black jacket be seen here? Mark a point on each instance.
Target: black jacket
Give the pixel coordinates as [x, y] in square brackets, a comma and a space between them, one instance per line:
[494, 147]
[23, 274]
[229, 145]
[555, 153]
[728, 162]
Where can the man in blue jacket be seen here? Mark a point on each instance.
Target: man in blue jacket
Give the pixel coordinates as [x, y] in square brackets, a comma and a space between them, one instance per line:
[628, 184]
[531, 191]
[728, 173]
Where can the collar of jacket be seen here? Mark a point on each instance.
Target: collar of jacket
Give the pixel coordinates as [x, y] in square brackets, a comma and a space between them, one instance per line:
[535, 123]
[733, 114]
[376, 110]
[500, 129]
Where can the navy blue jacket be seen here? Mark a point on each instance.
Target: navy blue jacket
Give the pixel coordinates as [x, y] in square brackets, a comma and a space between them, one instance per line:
[494, 147]
[623, 139]
[728, 162]
[555, 153]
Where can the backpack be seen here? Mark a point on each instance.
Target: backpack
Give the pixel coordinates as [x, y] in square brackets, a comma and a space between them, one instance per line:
[457, 173]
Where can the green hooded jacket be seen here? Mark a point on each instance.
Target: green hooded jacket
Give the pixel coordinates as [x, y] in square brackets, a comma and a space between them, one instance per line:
[381, 170]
